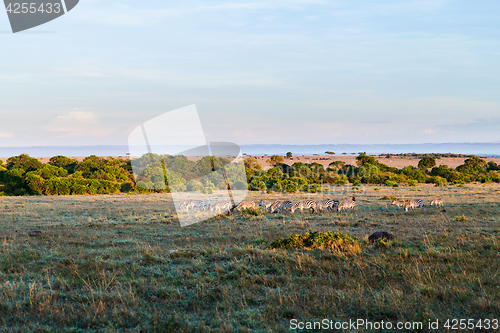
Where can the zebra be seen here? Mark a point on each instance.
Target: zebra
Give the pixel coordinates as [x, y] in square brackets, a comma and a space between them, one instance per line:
[186, 204]
[398, 203]
[201, 204]
[275, 206]
[346, 204]
[327, 203]
[437, 202]
[284, 205]
[224, 206]
[414, 203]
[243, 205]
[310, 204]
[265, 204]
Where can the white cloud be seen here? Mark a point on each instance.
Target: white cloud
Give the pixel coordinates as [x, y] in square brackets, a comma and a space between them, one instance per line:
[6, 135]
[79, 124]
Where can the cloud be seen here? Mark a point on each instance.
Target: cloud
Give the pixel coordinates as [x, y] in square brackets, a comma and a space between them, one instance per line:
[6, 135]
[79, 124]
[427, 131]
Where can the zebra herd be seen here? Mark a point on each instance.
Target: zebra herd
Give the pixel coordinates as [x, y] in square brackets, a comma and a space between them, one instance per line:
[412, 204]
[277, 206]
[272, 206]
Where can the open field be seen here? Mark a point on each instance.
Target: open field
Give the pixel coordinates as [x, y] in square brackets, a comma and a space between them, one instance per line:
[122, 263]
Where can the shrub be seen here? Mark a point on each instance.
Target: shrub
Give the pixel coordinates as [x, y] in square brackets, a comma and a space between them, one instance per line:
[440, 181]
[426, 163]
[412, 182]
[383, 243]
[336, 241]
[389, 183]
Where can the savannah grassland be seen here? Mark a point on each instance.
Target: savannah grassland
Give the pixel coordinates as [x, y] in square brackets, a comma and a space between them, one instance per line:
[117, 263]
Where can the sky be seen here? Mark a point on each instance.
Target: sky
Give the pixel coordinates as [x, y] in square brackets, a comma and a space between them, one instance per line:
[259, 72]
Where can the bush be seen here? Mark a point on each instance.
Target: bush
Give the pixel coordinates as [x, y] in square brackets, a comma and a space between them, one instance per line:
[440, 181]
[412, 182]
[336, 241]
[389, 183]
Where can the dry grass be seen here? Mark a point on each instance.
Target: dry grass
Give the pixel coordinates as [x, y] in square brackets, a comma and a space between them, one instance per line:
[122, 263]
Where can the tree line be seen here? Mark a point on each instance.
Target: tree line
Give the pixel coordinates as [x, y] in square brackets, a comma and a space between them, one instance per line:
[24, 175]
[310, 177]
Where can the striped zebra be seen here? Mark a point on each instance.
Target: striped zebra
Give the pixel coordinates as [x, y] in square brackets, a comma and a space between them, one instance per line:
[284, 205]
[186, 204]
[265, 204]
[414, 203]
[274, 206]
[243, 205]
[201, 204]
[437, 202]
[224, 206]
[327, 203]
[398, 203]
[346, 204]
[308, 204]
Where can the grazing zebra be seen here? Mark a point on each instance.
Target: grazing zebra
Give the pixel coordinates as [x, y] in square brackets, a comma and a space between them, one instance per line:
[308, 204]
[414, 203]
[200, 204]
[186, 204]
[327, 203]
[346, 204]
[265, 204]
[437, 202]
[244, 205]
[224, 206]
[284, 205]
[275, 206]
[398, 203]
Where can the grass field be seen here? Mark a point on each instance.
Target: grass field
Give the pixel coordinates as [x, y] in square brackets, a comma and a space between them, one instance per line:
[118, 263]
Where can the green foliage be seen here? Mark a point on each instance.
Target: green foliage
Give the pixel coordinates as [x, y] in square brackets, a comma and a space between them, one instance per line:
[252, 164]
[289, 154]
[275, 159]
[383, 243]
[389, 183]
[427, 162]
[319, 240]
[412, 182]
[64, 162]
[439, 181]
[24, 162]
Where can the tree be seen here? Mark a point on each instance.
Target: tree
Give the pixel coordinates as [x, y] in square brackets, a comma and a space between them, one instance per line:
[252, 164]
[363, 159]
[329, 152]
[427, 162]
[289, 154]
[275, 159]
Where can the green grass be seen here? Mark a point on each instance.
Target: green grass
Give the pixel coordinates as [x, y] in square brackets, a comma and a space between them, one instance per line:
[120, 263]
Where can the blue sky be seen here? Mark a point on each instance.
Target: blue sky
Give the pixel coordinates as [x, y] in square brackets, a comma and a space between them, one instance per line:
[285, 72]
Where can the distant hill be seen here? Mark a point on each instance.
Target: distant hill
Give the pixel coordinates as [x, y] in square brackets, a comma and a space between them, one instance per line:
[484, 149]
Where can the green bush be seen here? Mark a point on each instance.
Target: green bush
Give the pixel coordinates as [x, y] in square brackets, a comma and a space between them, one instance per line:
[412, 182]
[389, 183]
[319, 240]
[439, 181]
